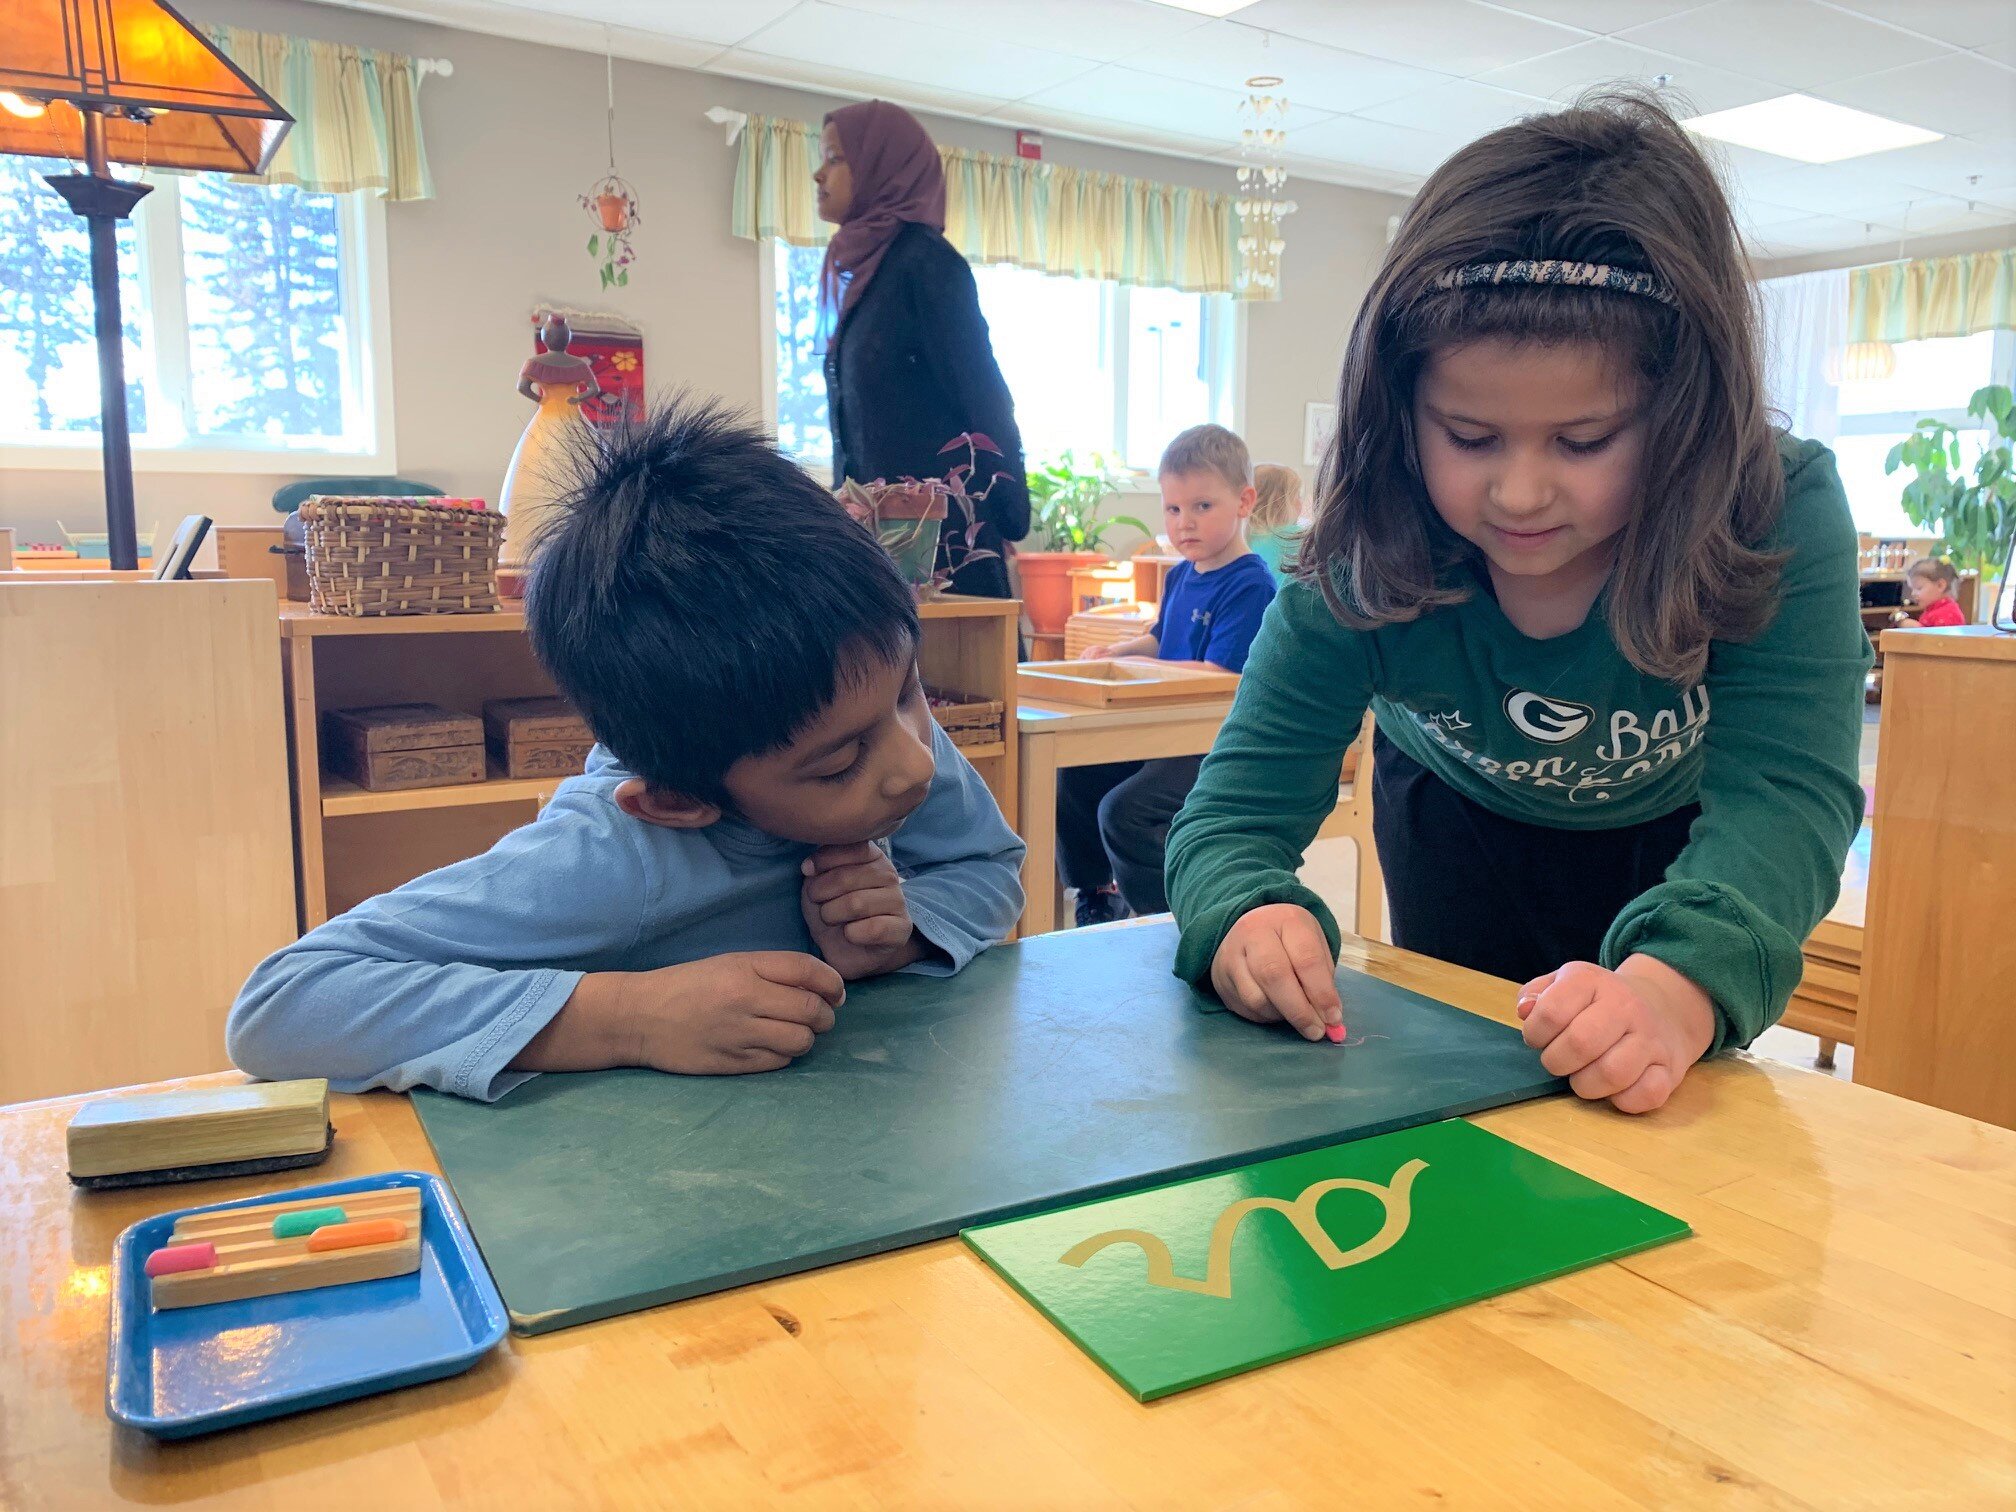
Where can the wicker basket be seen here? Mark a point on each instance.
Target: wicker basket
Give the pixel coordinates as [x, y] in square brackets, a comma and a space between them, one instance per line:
[1103, 625]
[369, 556]
[968, 720]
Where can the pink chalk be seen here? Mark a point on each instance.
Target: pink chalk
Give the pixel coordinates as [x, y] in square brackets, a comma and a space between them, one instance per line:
[1335, 1033]
[181, 1257]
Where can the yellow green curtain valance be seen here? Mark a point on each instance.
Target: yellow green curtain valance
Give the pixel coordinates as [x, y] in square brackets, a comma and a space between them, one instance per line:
[1941, 296]
[356, 113]
[1046, 216]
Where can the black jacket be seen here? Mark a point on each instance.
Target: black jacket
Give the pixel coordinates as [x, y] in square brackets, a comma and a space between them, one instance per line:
[909, 368]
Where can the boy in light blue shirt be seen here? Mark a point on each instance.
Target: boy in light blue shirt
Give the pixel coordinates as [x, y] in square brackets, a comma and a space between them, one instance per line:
[772, 811]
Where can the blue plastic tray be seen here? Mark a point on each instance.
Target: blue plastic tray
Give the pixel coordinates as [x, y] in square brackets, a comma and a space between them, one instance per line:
[194, 1370]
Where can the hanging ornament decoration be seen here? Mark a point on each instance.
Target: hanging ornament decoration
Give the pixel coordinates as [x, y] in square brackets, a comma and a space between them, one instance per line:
[1261, 209]
[612, 204]
[1861, 362]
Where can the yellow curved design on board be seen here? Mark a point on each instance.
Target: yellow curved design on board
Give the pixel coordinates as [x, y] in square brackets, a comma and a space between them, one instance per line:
[1395, 1197]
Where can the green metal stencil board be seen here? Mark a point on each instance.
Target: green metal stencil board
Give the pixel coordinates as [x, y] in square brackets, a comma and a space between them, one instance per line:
[1068, 1067]
[1184, 1284]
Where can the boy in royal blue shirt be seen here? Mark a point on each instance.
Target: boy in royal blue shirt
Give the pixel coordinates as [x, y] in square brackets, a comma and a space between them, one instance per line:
[1113, 819]
[772, 810]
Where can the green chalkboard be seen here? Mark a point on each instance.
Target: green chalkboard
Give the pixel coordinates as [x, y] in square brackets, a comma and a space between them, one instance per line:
[1068, 1067]
[1189, 1283]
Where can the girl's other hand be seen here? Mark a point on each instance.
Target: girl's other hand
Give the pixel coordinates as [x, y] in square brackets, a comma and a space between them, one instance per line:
[1629, 1035]
[1275, 964]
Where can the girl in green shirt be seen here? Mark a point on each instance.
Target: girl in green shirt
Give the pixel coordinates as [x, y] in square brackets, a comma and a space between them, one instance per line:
[1606, 616]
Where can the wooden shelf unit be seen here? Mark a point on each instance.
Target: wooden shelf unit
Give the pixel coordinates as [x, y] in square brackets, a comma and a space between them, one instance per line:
[351, 843]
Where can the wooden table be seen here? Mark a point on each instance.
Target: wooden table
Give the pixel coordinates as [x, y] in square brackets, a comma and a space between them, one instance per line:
[1837, 1334]
[1054, 736]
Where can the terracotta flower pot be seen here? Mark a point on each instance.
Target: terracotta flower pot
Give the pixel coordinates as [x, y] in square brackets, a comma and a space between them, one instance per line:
[1046, 585]
[614, 210]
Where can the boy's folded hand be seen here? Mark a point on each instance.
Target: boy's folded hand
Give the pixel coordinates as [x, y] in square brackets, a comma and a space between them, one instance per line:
[1275, 964]
[753, 1010]
[854, 906]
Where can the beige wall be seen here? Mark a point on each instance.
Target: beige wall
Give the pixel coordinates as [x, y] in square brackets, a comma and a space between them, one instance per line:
[517, 133]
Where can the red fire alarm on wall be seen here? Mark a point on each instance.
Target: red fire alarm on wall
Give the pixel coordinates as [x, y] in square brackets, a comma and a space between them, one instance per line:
[1029, 144]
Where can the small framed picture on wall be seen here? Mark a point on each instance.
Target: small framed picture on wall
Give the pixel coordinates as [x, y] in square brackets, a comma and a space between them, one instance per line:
[1318, 421]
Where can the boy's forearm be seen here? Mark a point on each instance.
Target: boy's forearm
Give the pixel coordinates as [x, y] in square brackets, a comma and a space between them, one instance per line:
[593, 1031]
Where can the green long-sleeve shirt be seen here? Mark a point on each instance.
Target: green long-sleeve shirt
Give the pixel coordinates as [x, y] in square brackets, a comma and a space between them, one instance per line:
[1566, 732]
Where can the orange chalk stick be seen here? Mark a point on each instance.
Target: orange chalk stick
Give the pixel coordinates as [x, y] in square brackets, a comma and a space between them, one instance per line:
[337, 1236]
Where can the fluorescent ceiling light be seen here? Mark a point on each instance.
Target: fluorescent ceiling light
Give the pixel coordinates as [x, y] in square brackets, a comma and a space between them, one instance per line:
[1208, 7]
[1808, 130]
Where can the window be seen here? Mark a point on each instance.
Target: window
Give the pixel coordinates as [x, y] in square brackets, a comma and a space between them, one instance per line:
[1933, 379]
[1094, 366]
[251, 327]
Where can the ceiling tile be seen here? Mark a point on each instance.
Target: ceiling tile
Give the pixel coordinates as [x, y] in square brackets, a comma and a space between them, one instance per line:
[1226, 53]
[717, 21]
[1858, 187]
[1798, 43]
[1113, 93]
[907, 52]
[1450, 36]
[1374, 144]
[1958, 94]
[1818, 233]
[1106, 31]
[1458, 111]
[1561, 76]
[744, 63]
[1964, 23]
[1601, 16]
[1957, 165]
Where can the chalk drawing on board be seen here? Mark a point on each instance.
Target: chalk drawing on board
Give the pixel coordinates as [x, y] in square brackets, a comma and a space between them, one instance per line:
[1396, 1197]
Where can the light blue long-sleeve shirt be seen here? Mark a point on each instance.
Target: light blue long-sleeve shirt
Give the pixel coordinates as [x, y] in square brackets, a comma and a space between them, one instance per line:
[442, 982]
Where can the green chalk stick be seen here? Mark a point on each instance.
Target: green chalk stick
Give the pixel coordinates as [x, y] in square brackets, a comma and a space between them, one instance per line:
[295, 1225]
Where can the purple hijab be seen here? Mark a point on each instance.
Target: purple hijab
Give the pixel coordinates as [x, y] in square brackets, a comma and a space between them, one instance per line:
[897, 178]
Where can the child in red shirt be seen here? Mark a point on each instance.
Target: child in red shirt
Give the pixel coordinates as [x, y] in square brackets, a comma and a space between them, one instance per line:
[1931, 583]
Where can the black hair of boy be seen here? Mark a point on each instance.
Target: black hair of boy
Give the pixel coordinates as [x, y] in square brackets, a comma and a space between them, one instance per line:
[701, 599]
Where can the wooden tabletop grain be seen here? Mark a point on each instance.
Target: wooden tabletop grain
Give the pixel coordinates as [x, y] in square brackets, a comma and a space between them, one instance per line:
[1841, 1332]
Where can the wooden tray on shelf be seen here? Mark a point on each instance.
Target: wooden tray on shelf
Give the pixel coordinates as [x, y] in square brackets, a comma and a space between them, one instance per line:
[1121, 683]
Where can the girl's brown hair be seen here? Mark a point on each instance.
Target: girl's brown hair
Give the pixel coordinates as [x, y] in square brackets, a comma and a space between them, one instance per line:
[1616, 181]
[1940, 572]
[1277, 498]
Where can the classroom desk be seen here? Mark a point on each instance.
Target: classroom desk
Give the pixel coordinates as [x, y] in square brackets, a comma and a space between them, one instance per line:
[1060, 735]
[1838, 1333]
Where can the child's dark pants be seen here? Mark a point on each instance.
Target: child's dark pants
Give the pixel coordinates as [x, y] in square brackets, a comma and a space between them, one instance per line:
[1113, 824]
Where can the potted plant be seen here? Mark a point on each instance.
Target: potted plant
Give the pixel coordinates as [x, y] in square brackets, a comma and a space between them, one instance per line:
[1064, 500]
[1974, 513]
[905, 516]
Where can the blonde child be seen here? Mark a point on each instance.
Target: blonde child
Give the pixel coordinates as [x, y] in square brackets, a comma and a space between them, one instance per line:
[1932, 582]
[1275, 529]
[1607, 617]
[1113, 818]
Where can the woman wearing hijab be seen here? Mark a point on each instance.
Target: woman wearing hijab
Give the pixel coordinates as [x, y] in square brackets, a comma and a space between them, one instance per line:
[908, 362]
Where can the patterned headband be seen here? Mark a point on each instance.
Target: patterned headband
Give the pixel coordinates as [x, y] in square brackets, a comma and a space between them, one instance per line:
[1563, 274]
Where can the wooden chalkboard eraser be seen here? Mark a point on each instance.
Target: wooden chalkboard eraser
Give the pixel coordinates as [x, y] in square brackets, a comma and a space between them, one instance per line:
[154, 1137]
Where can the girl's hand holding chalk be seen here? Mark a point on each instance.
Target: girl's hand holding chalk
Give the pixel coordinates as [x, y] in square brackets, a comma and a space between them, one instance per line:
[1275, 964]
[1628, 1035]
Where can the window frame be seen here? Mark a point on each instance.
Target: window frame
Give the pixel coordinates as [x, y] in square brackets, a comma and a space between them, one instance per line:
[1225, 330]
[366, 292]
[2001, 369]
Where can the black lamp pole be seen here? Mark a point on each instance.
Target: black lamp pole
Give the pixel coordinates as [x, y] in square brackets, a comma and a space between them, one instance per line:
[103, 200]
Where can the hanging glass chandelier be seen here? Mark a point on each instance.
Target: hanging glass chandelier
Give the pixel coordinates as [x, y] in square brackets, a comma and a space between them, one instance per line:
[1261, 209]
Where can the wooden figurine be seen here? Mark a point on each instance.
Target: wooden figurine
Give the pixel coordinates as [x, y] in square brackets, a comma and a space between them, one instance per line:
[275, 1247]
[559, 383]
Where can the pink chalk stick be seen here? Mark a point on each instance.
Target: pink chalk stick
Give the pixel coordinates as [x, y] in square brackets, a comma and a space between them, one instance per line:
[182, 1257]
[1335, 1033]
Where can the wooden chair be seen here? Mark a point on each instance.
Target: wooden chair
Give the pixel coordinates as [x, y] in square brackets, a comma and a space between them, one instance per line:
[1352, 820]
